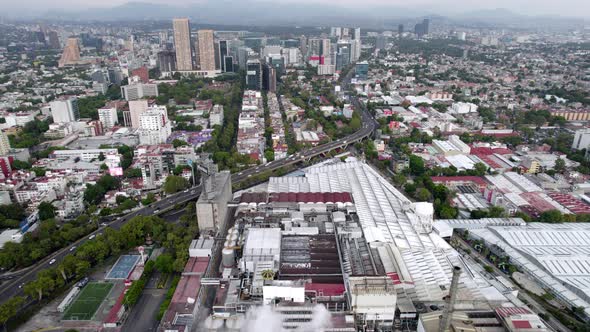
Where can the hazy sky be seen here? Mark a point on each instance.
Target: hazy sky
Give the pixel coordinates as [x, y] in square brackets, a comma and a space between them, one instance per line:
[579, 8]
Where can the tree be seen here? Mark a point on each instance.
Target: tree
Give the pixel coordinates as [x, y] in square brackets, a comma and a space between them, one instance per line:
[551, 216]
[46, 211]
[559, 165]
[480, 169]
[423, 195]
[416, 165]
[164, 263]
[101, 156]
[9, 308]
[178, 143]
[174, 184]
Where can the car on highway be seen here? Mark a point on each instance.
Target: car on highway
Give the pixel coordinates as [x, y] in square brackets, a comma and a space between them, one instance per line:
[52, 261]
[103, 224]
[91, 237]
[157, 210]
[73, 248]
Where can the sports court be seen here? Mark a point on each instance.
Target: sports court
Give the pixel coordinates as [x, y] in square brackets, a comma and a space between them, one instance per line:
[123, 267]
[88, 301]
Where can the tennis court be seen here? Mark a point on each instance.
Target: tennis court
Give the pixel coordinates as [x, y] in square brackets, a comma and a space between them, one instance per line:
[88, 301]
[123, 267]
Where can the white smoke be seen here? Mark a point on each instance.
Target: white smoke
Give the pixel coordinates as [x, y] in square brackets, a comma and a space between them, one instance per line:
[264, 318]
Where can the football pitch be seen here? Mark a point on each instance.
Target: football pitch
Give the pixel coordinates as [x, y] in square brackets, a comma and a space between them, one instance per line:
[88, 301]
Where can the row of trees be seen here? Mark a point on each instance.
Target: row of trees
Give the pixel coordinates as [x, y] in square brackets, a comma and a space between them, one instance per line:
[174, 238]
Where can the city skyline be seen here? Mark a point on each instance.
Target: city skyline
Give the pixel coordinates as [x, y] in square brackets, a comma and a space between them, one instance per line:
[572, 8]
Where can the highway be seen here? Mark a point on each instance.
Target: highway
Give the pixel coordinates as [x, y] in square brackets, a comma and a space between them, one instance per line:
[13, 287]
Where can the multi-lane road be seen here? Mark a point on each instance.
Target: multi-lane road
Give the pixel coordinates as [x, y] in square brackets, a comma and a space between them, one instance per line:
[12, 287]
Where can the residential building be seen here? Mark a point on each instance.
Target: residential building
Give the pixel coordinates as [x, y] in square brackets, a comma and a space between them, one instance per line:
[216, 116]
[206, 50]
[154, 127]
[136, 108]
[108, 117]
[182, 44]
[4, 144]
[65, 110]
[137, 90]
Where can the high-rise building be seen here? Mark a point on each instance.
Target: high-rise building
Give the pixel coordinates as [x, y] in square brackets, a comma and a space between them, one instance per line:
[206, 50]
[342, 54]
[154, 127]
[4, 144]
[355, 50]
[223, 52]
[345, 33]
[336, 32]
[108, 117]
[136, 108]
[362, 69]
[357, 34]
[422, 29]
[71, 53]
[325, 52]
[53, 40]
[269, 77]
[253, 74]
[182, 44]
[381, 42]
[228, 64]
[400, 30]
[115, 75]
[167, 61]
[303, 47]
[64, 111]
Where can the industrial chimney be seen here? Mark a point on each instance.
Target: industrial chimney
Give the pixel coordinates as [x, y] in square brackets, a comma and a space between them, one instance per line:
[445, 322]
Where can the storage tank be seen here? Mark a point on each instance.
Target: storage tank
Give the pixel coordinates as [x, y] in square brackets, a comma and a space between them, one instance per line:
[228, 257]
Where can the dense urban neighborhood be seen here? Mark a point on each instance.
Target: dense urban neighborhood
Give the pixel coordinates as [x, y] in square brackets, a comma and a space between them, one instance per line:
[429, 175]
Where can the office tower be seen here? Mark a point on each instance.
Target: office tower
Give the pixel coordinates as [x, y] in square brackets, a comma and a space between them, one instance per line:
[269, 77]
[361, 70]
[71, 53]
[4, 144]
[314, 47]
[381, 42]
[228, 64]
[271, 50]
[243, 56]
[137, 90]
[355, 50]
[291, 55]
[206, 50]
[400, 30]
[182, 44]
[278, 62]
[336, 32]
[154, 127]
[53, 40]
[325, 58]
[136, 108]
[108, 117]
[357, 34]
[303, 47]
[253, 74]
[223, 52]
[345, 33]
[422, 29]
[167, 61]
[342, 55]
[65, 110]
[291, 43]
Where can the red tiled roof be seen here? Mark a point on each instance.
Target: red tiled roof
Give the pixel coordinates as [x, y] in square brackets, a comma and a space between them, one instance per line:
[521, 324]
[300, 197]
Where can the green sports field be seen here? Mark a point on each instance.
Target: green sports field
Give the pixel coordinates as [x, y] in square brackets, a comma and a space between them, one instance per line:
[88, 301]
